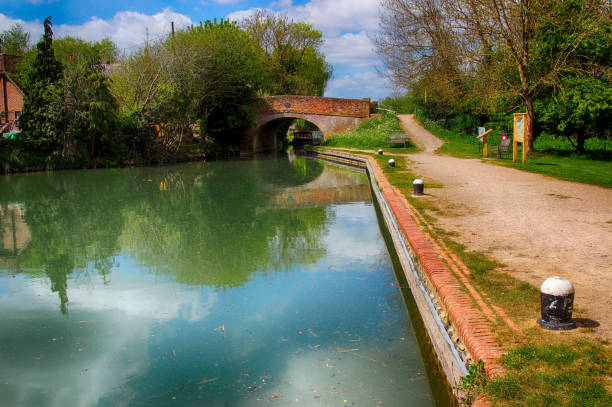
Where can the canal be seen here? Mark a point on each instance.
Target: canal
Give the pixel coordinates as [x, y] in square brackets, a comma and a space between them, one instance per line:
[234, 283]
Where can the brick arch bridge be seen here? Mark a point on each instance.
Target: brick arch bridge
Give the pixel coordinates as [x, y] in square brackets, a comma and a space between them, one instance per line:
[274, 115]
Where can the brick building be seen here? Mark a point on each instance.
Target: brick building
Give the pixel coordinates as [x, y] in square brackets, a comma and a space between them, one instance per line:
[11, 95]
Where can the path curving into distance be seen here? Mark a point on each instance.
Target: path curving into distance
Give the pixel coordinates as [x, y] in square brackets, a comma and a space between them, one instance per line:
[536, 225]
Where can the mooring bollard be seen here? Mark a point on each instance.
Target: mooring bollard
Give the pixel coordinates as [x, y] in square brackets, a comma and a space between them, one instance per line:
[418, 187]
[380, 152]
[557, 303]
[391, 162]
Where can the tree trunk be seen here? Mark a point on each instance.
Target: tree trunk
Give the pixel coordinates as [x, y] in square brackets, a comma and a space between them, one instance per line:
[580, 142]
[91, 147]
[530, 137]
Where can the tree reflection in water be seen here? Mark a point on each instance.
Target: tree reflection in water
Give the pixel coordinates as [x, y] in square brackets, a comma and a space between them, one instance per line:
[212, 224]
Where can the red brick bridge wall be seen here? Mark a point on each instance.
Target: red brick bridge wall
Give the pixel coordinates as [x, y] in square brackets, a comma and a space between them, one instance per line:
[330, 115]
[314, 105]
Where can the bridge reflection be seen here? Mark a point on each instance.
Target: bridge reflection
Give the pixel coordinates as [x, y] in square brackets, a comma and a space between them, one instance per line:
[333, 186]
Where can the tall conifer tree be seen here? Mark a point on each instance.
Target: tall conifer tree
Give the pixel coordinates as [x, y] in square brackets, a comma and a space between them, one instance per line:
[41, 120]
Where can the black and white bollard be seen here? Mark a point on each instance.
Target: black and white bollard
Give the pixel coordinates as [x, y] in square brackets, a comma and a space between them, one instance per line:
[557, 304]
[391, 162]
[418, 187]
[380, 152]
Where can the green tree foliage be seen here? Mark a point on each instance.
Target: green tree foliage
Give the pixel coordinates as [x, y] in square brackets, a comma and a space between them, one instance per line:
[89, 108]
[71, 49]
[15, 41]
[207, 74]
[216, 73]
[42, 116]
[582, 109]
[291, 51]
[142, 86]
[68, 108]
[481, 60]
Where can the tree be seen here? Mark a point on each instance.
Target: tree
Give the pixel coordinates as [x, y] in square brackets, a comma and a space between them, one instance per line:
[291, 51]
[216, 73]
[485, 48]
[15, 41]
[42, 116]
[90, 110]
[581, 110]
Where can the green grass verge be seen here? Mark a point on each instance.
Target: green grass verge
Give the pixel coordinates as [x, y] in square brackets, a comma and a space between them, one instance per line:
[553, 156]
[372, 134]
[566, 374]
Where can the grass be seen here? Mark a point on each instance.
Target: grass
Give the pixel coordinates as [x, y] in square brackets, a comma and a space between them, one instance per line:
[543, 368]
[546, 374]
[553, 374]
[372, 134]
[553, 156]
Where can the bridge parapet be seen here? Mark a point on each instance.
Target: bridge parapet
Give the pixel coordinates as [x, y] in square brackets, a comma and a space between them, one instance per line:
[314, 105]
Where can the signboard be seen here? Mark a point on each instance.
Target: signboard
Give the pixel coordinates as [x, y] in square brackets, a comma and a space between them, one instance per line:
[520, 134]
[520, 129]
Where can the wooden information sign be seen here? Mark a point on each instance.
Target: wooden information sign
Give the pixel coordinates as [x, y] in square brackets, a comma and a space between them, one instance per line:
[485, 148]
[520, 134]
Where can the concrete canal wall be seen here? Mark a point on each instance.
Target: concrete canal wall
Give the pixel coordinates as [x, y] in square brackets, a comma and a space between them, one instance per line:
[459, 333]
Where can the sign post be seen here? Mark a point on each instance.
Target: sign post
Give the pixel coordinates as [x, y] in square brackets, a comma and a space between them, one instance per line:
[483, 136]
[520, 135]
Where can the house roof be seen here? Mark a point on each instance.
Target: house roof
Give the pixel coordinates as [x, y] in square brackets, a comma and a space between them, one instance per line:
[8, 63]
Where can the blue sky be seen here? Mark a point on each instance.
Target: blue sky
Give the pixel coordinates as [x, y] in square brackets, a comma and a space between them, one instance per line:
[347, 27]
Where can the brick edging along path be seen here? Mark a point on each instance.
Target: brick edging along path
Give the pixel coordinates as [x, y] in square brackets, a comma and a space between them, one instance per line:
[473, 327]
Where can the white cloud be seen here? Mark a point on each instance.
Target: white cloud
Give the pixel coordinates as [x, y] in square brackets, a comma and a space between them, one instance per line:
[364, 84]
[242, 14]
[336, 16]
[127, 28]
[35, 27]
[281, 4]
[332, 17]
[354, 49]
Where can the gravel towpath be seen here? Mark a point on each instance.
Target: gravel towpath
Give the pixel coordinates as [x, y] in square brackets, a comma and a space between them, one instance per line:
[536, 225]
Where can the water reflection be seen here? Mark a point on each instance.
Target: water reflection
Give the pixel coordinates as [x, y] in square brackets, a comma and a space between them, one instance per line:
[216, 284]
[14, 232]
[200, 224]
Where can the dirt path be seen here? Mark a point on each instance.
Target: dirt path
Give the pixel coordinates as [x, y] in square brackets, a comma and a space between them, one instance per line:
[536, 225]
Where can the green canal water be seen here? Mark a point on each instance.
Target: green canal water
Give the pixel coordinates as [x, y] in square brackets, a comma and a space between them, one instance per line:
[234, 283]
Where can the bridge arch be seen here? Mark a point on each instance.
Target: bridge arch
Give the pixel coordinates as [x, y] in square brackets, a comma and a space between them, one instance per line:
[274, 115]
[267, 133]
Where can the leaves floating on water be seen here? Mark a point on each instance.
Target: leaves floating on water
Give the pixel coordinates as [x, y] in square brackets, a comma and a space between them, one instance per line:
[352, 352]
[347, 350]
[204, 381]
[222, 329]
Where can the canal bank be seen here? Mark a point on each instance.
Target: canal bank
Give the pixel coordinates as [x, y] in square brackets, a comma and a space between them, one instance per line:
[460, 334]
